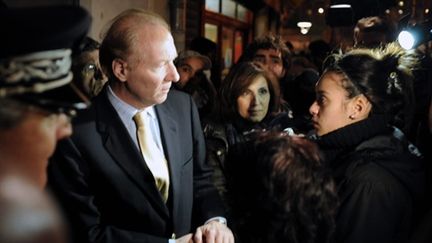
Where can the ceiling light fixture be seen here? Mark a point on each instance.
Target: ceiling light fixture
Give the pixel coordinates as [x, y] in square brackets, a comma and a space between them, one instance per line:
[304, 27]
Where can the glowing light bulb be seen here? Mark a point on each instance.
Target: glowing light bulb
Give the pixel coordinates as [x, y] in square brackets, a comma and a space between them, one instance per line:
[406, 40]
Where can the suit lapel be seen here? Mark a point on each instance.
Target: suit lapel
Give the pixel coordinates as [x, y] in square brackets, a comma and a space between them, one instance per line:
[168, 128]
[125, 153]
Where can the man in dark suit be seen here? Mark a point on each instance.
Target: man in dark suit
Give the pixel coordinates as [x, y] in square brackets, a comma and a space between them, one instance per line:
[102, 176]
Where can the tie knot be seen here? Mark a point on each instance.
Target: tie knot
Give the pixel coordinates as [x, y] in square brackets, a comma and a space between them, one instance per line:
[139, 118]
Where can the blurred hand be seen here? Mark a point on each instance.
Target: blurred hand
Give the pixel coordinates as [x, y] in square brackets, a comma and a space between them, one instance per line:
[213, 232]
[185, 239]
[291, 132]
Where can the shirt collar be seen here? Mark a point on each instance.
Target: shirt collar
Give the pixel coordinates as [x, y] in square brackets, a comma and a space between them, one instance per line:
[125, 108]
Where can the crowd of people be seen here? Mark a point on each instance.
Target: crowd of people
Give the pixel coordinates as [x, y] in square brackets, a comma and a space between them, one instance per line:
[129, 140]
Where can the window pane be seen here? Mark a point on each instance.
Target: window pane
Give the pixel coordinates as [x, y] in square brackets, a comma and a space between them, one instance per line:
[238, 45]
[211, 32]
[212, 5]
[228, 8]
[227, 49]
[242, 13]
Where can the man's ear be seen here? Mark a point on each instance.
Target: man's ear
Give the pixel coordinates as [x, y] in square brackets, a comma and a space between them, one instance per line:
[361, 107]
[120, 70]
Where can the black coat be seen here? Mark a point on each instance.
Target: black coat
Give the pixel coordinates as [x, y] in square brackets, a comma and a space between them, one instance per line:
[101, 179]
[220, 136]
[380, 181]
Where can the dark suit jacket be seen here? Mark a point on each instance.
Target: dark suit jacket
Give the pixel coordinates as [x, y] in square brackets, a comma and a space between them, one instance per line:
[102, 182]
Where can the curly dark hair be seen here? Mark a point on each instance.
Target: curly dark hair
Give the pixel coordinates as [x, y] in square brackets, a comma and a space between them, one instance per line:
[267, 42]
[383, 75]
[279, 191]
[89, 44]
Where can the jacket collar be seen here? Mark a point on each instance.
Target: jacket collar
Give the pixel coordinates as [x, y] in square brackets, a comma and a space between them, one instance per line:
[353, 134]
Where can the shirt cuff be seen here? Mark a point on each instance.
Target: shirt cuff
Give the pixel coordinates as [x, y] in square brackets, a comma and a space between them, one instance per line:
[171, 241]
[220, 219]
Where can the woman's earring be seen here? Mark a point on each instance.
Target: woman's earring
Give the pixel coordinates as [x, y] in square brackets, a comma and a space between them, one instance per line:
[351, 117]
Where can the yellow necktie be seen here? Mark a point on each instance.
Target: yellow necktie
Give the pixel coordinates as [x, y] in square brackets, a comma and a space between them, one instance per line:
[153, 156]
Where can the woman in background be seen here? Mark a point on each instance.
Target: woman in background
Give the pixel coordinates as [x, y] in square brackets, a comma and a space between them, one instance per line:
[246, 103]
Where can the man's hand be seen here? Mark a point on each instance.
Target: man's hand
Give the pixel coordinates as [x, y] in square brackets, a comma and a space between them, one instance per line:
[185, 239]
[213, 232]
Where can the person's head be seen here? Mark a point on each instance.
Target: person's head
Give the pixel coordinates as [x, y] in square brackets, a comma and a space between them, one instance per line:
[372, 32]
[137, 55]
[189, 63]
[304, 92]
[319, 50]
[247, 92]
[364, 82]
[281, 181]
[37, 97]
[290, 46]
[271, 52]
[28, 214]
[88, 75]
[205, 47]
[299, 64]
[28, 136]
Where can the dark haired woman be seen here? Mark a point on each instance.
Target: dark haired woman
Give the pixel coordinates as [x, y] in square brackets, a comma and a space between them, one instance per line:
[247, 102]
[363, 97]
[279, 191]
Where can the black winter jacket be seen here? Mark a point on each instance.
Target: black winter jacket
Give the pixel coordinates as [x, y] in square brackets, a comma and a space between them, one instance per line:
[380, 181]
[220, 136]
